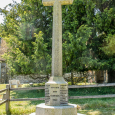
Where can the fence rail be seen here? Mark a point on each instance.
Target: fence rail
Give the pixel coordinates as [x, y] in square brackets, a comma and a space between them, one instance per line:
[93, 96]
[3, 90]
[3, 102]
[28, 99]
[8, 89]
[29, 88]
[96, 85]
[70, 97]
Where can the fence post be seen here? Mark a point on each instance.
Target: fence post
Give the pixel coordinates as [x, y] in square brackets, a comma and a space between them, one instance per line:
[8, 98]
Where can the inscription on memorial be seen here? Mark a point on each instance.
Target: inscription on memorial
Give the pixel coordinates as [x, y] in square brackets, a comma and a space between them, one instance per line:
[54, 99]
[55, 87]
[54, 91]
[63, 94]
[56, 94]
[47, 94]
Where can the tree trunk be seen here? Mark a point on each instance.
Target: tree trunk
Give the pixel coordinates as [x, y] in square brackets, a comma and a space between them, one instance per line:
[111, 76]
[47, 76]
[99, 76]
[72, 82]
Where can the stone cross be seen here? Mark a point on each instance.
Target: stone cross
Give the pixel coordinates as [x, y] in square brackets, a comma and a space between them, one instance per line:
[57, 34]
[56, 89]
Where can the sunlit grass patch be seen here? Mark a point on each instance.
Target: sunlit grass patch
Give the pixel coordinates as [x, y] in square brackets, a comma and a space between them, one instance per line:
[2, 86]
[2, 109]
[94, 112]
[21, 108]
[96, 104]
[102, 106]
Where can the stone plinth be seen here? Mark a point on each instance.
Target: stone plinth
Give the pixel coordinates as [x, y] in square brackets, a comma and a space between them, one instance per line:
[56, 92]
[42, 109]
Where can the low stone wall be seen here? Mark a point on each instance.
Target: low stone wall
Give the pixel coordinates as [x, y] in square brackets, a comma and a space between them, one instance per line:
[30, 78]
[77, 76]
[35, 78]
[41, 78]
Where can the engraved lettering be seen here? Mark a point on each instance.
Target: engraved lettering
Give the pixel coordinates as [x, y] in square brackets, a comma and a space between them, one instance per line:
[55, 91]
[54, 87]
[54, 99]
[54, 95]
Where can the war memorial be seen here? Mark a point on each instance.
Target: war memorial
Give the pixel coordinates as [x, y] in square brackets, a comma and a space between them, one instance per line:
[56, 89]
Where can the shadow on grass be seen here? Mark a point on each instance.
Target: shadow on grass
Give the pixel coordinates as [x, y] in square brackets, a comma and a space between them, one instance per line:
[97, 112]
[29, 94]
[8, 112]
[102, 106]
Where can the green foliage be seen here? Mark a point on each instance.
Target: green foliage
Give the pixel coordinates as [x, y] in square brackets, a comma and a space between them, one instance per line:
[102, 22]
[27, 57]
[99, 18]
[110, 48]
[18, 58]
[73, 16]
[74, 48]
[42, 60]
[28, 48]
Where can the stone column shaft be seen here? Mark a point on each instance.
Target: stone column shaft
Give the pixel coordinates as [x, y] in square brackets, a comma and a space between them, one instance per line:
[57, 40]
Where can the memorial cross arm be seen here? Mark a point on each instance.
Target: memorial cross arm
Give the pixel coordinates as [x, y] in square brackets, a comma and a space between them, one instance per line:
[51, 2]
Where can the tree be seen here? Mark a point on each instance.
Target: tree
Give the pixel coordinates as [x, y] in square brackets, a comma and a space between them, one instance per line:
[42, 60]
[98, 15]
[77, 33]
[74, 50]
[103, 22]
[21, 34]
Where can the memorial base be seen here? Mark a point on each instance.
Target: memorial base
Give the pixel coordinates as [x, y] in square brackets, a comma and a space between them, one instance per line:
[70, 109]
[56, 92]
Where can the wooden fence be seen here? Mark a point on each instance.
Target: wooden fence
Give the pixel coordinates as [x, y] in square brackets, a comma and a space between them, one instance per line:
[8, 89]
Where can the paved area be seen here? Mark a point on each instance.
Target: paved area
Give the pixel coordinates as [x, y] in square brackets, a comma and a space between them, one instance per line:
[77, 114]
[80, 114]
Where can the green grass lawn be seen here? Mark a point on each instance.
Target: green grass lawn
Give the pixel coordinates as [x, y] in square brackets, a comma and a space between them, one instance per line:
[2, 86]
[102, 106]
[105, 106]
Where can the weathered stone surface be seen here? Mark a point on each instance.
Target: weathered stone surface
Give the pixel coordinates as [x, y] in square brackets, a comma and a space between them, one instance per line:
[56, 92]
[51, 2]
[57, 40]
[56, 89]
[42, 109]
[57, 34]
[30, 78]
